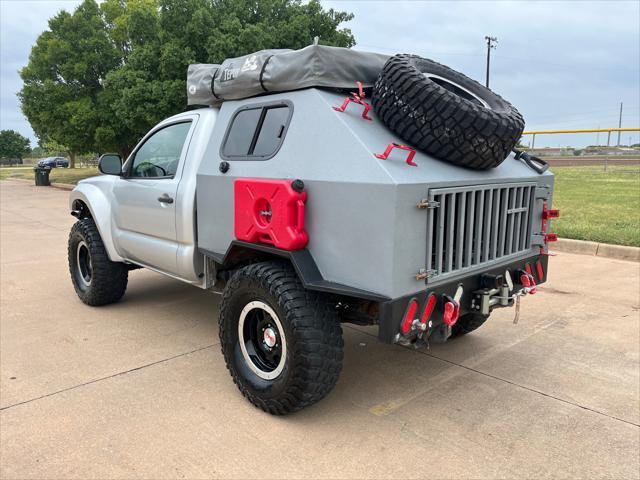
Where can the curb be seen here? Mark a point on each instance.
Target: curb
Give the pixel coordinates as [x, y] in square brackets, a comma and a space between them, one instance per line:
[60, 186]
[63, 186]
[606, 250]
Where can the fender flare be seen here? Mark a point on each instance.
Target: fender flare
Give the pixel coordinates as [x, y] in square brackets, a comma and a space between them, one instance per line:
[100, 210]
[302, 261]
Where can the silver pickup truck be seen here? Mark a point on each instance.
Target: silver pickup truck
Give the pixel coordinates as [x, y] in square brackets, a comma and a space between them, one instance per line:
[305, 214]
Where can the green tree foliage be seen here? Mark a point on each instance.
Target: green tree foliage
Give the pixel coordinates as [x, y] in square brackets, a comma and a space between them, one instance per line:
[65, 73]
[13, 145]
[102, 76]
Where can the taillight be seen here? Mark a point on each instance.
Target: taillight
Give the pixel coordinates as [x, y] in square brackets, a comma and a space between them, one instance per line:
[540, 271]
[409, 316]
[547, 214]
[428, 309]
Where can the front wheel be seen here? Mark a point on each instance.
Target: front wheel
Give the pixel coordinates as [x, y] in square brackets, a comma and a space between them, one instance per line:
[96, 279]
[281, 343]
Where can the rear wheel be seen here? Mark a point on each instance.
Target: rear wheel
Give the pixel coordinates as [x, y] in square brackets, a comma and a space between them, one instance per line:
[96, 279]
[281, 343]
[467, 324]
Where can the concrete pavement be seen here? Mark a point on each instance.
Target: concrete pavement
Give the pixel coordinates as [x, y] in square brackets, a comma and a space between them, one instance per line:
[139, 389]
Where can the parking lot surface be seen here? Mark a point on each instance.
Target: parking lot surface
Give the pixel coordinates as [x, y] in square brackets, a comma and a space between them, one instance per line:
[140, 390]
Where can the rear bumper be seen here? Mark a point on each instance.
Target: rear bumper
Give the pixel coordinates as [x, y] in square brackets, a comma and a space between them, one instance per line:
[392, 312]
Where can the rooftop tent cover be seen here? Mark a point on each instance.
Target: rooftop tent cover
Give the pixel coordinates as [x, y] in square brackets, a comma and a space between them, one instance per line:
[280, 71]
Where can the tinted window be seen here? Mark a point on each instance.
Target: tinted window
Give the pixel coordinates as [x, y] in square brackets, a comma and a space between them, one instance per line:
[272, 130]
[256, 132]
[241, 132]
[159, 156]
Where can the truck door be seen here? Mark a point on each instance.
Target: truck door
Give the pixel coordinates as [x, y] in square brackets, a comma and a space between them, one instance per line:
[145, 197]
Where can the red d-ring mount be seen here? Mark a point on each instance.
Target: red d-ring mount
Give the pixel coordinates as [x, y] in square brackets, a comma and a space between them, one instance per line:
[356, 98]
[451, 311]
[391, 146]
[527, 281]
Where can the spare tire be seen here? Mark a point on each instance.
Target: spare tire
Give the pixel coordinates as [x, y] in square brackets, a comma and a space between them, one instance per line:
[445, 113]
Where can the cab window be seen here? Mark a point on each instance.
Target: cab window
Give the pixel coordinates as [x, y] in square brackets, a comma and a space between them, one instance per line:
[159, 155]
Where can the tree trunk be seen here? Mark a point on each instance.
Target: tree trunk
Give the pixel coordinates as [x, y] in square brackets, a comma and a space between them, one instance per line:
[72, 159]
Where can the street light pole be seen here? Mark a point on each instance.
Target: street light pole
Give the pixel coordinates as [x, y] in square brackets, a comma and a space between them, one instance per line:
[490, 44]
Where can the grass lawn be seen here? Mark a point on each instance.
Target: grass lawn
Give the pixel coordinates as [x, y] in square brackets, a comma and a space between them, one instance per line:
[58, 175]
[597, 205]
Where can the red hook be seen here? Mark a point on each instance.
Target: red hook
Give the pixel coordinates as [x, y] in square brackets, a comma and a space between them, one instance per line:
[356, 98]
[391, 146]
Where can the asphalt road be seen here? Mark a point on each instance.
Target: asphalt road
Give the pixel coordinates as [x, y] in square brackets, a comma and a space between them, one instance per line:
[139, 389]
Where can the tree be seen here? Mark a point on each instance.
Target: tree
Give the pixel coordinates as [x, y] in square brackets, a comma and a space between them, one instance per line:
[130, 72]
[64, 75]
[13, 145]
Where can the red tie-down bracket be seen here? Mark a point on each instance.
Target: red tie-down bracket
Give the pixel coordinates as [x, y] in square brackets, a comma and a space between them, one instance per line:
[356, 98]
[451, 310]
[387, 151]
[547, 214]
[527, 280]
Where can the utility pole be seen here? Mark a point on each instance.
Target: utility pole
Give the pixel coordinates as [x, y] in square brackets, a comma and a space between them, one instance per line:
[620, 123]
[490, 44]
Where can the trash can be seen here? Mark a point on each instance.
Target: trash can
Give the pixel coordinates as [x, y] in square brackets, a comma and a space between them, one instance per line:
[42, 176]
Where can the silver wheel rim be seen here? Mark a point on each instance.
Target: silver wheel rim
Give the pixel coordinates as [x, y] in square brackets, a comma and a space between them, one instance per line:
[246, 344]
[83, 264]
[463, 92]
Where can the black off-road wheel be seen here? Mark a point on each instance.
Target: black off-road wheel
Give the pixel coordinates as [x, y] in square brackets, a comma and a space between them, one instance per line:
[282, 344]
[96, 279]
[445, 113]
[468, 323]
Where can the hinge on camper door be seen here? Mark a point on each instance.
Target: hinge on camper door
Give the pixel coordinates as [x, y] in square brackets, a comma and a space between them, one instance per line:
[426, 203]
[424, 274]
[543, 192]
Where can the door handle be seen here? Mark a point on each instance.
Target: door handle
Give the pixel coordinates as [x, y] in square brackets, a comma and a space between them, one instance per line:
[165, 199]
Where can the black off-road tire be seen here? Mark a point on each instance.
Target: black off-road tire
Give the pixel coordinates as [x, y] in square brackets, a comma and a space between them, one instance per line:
[108, 280]
[467, 323]
[469, 126]
[311, 329]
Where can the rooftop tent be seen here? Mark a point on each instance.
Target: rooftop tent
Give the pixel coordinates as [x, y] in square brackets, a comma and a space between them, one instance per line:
[282, 70]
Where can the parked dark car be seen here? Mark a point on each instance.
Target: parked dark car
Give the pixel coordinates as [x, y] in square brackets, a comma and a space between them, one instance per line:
[54, 162]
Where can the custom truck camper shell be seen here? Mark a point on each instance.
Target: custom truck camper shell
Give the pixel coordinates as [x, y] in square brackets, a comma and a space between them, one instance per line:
[366, 230]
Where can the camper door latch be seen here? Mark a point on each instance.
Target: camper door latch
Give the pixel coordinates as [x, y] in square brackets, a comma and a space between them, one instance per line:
[426, 203]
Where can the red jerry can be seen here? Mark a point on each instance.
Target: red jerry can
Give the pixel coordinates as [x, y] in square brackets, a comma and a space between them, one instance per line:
[270, 211]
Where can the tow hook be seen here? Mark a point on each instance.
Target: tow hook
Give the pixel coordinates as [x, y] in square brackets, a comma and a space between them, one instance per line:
[451, 311]
[496, 290]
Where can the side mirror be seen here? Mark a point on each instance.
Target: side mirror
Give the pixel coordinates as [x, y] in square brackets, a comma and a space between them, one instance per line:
[110, 164]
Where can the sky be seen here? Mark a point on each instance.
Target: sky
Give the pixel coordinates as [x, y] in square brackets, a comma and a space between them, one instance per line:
[563, 64]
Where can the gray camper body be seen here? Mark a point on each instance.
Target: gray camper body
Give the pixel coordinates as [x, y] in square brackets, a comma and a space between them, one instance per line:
[366, 231]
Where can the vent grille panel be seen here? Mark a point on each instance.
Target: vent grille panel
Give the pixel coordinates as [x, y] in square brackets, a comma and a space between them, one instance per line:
[475, 226]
